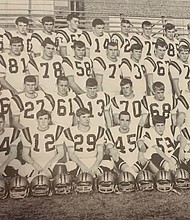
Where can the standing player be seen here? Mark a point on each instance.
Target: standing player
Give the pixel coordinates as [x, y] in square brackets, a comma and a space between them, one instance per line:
[25, 105]
[133, 68]
[47, 67]
[180, 69]
[67, 36]
[107, 70]
[22, 32]
[123, 38]
[39, 36]
[185, 40]
[96, 41]
[42, 146]
[13, 66]
[78, 68]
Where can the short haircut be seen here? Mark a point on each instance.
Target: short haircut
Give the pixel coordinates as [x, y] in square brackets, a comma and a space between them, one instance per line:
[183, 48]
[158, 119]
[146, 23]
[125, 113]
[91, 82]
[78, 43]
[161, 42]
[48, 40]
[14, 40]
[47, 19]
[43, 112]
[82, 111]
[2, 116]
[71, 16]
[159, 85]
[62, 78]
[22, 19]
[29, 78]
[169, 26]
[136, 47]
[125, 21]
[97, 21]
[113, 44]
[126, 81]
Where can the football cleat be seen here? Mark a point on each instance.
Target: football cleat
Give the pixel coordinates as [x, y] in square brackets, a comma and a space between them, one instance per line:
[84, 183]
[145, 180]
[182, 179]
[126, 182]
[40, 186]
[3, 188]
[106, 182]
[62, 184]
[18, 187]
[163, 180]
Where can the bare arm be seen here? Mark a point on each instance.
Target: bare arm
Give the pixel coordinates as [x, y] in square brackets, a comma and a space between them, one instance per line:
[63, 51]
[74, 86]
[99, 78]
[16, 122]
[176, 86]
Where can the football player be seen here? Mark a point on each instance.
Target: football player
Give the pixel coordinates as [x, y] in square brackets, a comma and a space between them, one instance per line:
[67, 36]
[185, 40]
[25, 105]
[180, 69]
[85, 143]
[96, 41]
[157, 67]
[42, 146]
[9, 139]
[47, 67]
[107, 70]
[39, 36]
[123, 38]
[97, 102]
[134, 69]
[78, 68]
[13, 66]
[22, 32]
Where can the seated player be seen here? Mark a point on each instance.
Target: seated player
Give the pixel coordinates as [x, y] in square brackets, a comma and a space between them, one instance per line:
[9, 139]
[42, 146]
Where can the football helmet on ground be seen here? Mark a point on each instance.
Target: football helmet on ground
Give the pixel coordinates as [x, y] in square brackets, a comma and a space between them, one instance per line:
[145, 180]
[106, 182]
[3, 188]
[84, 183]
[126, 182]
[182, 179]
[163, 181]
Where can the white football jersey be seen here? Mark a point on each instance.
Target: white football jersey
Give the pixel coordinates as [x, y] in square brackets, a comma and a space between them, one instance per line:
[84, 144]
[172, 47]
[42, 144]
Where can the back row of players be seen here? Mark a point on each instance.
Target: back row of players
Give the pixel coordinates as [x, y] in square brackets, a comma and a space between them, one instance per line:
[120, 84]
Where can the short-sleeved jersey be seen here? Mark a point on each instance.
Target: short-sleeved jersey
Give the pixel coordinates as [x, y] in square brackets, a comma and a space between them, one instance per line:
[26, 40]
[111, 73]
[42, 144]
[181, 71]
[81, 70]
[136, 72]
[96, 44]
[84, 144]
[2, 32]
[96, 106]
[63, 108]
[5, 97]
[47, 72]
[166, 142]
[123, 42]
[27, 108]
[125, 143]
[147, 44]
[13, 68]
[66, 38]
[9, 138]
[159, 69]
[172, 47]
[38, 37]
[165, 108]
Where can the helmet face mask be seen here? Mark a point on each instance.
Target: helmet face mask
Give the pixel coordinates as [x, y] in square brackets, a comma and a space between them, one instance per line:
[145, 181]
[106, 183]
[126, 182]
[3, 188]
[182, 179]
[84, 183]
[164, 181]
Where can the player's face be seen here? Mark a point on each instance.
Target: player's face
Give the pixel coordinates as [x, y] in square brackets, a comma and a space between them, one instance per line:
[126, 90]
[184, 55]
[22, 27]
[43, 122]
[99, 29]
[63, 87]
[84, 120]
[125, 28]
[80, 52]
[170, 33]
[159, 94]
[147, 31]
[74, 24]
[16, 48]
[48, 26]
[160, 52]
[136, 54]
[2, 123]
[49, 50]
[159, 128]
[91, 91]
[30, 87]
[124, 122]
[112, 52]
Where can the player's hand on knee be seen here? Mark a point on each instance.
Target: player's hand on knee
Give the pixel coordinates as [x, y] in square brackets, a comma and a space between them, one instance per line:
[172, 165]
[181, 156]
[94, 170]
[84, 169]
[37, 167]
